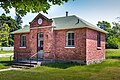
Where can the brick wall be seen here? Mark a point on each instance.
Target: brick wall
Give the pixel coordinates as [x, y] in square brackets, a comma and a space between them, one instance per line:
[77, 53]
[48, 38]
[20, 52]
[93, 55]
[55, 45]
[31, 39]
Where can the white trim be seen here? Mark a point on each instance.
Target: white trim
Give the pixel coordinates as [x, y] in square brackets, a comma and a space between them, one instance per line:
[22, 47]
[40, 21]
[42, 27]
[23, 35]
[70, 31]
[20, 32]
[67, 38]
[69, 47]
[99, 48]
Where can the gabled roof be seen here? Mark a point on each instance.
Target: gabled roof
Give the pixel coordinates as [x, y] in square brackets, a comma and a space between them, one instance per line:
[23, 30]
[73, 22]
[42, 16]
[67, 22]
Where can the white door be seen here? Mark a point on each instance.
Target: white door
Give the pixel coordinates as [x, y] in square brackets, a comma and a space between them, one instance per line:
[40, 45]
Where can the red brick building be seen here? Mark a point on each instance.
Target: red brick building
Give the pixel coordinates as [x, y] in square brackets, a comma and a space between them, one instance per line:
[64, 38]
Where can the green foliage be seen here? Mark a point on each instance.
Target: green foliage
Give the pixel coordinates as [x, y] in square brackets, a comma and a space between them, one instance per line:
[113, 35]
[4, 34]
[10, 21]
[113, 42]
[104, 25]
[116, 27]
[12, 27]
[18, 20]
[22, 7]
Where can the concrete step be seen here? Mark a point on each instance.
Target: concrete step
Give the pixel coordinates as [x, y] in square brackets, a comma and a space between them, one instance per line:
[23, 64]
[24, 67]
[28, 62]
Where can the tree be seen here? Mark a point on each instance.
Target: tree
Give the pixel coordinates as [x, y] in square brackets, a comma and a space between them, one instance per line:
[12, 25]
[113, 35]
[104, 25]
[4, 34]
[10, 21]
[113, 42]
[116, 27]
[18, 20]
[22, 7]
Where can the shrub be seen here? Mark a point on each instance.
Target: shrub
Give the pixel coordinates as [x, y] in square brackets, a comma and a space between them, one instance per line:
[112, 42]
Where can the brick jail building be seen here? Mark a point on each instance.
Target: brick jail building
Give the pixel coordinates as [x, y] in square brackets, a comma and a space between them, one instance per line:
[68, 38]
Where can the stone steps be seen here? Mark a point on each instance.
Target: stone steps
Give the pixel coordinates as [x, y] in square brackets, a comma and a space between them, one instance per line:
[26, 64]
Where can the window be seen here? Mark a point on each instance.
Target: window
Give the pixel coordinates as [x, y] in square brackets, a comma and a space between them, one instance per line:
[98, 40]
[23, 41]
[70, 39]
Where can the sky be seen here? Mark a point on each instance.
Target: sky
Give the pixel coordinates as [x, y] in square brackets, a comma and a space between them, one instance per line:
[89, 10]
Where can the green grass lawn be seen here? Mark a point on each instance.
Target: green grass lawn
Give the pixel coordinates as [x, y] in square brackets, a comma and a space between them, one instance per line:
[107, 70]
[5, 52]
[5, 62]
[113, 53]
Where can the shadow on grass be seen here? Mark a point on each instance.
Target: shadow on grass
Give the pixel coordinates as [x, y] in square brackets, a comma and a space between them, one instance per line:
[113, 57]
[6, 63]
[62, 65]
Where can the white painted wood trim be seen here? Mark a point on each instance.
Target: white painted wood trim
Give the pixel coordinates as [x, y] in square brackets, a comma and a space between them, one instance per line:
[99, 48]
[22, 47]
[69, 47]
[42, 27]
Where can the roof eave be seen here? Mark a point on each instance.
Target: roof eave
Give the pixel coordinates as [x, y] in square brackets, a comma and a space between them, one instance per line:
[19, 32]
[100, 30]
[103, 31]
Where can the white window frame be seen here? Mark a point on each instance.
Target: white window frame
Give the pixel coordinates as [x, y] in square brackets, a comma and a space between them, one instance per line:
[21, 41]
[69, 46]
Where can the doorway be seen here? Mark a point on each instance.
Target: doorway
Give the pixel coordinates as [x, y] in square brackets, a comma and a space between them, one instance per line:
[40, 45]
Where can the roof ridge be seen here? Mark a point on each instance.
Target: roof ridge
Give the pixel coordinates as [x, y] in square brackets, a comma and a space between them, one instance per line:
[63, 16]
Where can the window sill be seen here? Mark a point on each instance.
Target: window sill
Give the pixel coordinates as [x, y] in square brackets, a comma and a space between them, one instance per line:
[99, 48]
[69, 47]
[22, 47]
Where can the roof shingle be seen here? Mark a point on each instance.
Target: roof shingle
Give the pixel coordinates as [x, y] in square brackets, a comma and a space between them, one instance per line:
[66, 22]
